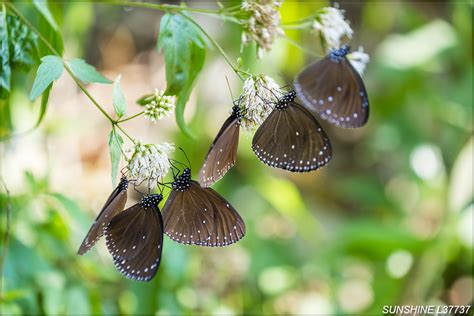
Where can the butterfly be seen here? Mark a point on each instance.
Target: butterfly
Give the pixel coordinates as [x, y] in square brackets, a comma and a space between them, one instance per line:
[223, 152]
[291, 138]
[333, 89]
[135, 239]
[114, 204]
[196, 215]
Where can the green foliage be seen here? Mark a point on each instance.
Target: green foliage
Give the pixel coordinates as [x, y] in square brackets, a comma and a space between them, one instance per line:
[52, 35]
[44, 104]
[185, 51]
[85, 72]
[120, 105]
[50, 69]
[18, 45]
[115, 149]
[42, 7]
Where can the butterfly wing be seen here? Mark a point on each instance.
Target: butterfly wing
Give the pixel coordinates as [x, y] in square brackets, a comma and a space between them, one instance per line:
[222, 154]
[200, 216]
[114, 204]
[292, 139]
[139, 231]
[335, 91]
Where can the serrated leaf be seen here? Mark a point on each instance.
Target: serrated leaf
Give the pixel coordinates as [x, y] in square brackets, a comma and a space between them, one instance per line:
[120, 104]
[50, 69]
[87, 73]
[115, 149]
[184, 51]
[42, 7]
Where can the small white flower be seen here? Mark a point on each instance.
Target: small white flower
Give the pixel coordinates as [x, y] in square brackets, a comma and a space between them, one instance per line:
[359, 60]
[263, 24]
[149, 162]
[332, 26]
[255, 102]
[161, 105]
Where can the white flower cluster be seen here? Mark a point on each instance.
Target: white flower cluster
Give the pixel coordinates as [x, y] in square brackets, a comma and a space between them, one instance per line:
[149, 162]
[160, 106]
[359, 60]
[332, 26]
[263, 25]
[255, 102]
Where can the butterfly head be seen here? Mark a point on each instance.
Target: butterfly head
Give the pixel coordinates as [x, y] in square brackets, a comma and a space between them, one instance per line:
[337, 54]
[182, 182]
[237, 112]
[123, 185]
[151, 200]
[285, 100]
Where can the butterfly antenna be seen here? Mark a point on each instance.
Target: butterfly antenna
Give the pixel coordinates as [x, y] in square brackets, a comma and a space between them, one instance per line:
[228, 86]
[187, 159]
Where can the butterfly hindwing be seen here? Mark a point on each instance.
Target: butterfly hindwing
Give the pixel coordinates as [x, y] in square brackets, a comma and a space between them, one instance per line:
[115, 203]
[292, 139]
[222, 154]
[200, 216]
[139, 231]
[333, 89]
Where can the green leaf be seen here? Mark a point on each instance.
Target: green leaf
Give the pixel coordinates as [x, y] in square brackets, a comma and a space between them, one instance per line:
[53, 36]
[184, 51]
[50, 69]
[115, 148]
[5, 52]
[87, 73]
[44, 105]
[42, 7]
[120, 104]
[17, 48]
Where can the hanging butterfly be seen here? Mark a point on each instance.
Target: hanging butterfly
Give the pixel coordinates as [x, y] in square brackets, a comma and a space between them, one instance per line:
[194, 215]
[135, 239]
[223, 152]
[114, 204]
[333, 89]
[291, 138]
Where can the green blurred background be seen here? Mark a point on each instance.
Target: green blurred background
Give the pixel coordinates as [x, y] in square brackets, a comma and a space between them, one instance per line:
[388, 221]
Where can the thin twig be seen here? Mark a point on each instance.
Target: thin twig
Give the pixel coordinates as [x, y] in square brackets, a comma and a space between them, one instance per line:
[6, 236]
[131, 117]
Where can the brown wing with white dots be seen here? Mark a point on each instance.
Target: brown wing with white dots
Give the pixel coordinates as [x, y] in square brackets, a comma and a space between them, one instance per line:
[135, 240]
[335, 91]
[222, 154]
[292, 139]
[114, 204]
[200, 216]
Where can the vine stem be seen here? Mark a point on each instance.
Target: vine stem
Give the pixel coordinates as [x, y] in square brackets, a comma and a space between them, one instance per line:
[68, 69]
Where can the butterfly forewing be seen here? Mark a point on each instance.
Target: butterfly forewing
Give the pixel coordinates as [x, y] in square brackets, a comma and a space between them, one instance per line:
[292, 139]
[222, 154]
[200, 216]
[335, 91]
[144, 231]
[115, 203]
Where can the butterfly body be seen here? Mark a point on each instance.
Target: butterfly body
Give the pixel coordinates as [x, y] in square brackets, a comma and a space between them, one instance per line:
[135, 239]
[223, 152]
[114, 204]
[334, 90]
[196, 215]
[291, 138]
